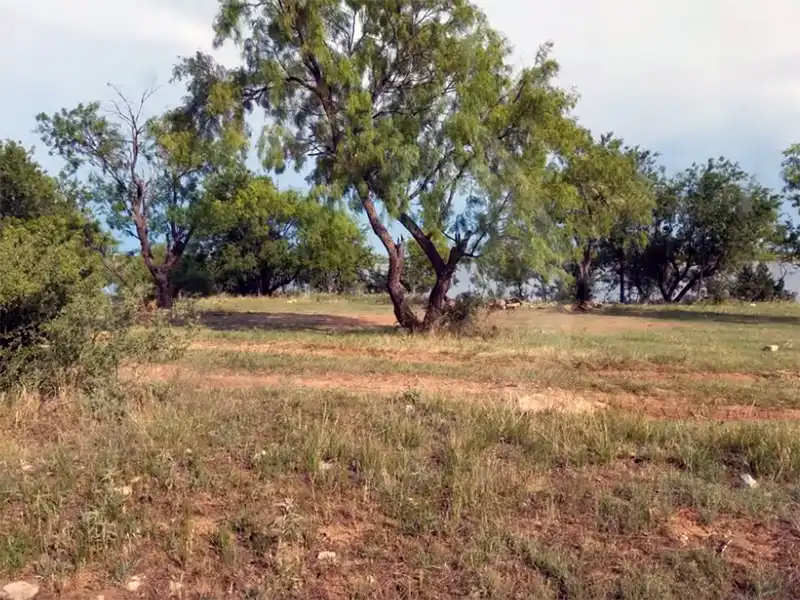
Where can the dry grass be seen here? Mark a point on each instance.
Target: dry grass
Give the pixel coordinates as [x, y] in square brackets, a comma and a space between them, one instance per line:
[546, 462]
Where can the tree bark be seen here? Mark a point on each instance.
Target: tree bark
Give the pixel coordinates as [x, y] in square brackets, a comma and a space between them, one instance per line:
[583, 291]
[437, 299]
[164, 291]
[402, 311]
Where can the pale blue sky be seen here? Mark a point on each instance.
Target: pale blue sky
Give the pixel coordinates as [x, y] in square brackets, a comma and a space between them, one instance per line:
[690, 79]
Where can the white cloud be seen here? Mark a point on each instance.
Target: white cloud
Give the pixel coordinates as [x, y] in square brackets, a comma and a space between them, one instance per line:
[653, 69]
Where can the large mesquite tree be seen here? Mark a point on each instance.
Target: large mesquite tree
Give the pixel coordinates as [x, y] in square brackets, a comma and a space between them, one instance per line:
[407, 108]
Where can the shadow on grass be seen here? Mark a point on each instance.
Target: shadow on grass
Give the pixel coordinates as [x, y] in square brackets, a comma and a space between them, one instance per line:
[703, 316]
[246, 321]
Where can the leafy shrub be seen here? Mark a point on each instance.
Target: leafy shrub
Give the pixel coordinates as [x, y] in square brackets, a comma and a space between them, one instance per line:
[58, 326]
[758, 284]
[467, 315]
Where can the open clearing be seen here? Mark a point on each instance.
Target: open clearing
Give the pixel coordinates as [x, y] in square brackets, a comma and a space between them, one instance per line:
[307, 449]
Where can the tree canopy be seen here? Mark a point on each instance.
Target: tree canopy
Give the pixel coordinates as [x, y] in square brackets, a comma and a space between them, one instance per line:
[410, 109]
[147, 176]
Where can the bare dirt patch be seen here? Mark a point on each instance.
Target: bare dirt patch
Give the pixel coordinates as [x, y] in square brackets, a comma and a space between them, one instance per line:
[741, 541]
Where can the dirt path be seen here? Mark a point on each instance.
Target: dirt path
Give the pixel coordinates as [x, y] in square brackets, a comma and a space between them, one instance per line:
[527, 398]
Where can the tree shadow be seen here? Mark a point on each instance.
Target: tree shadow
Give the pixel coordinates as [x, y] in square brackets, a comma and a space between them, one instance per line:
[703, 316]
[248, 321]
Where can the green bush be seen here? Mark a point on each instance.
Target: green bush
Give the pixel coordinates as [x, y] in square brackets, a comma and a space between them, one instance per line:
[58, 326]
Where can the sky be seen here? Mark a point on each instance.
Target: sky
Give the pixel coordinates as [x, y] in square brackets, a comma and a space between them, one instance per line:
[688, 79]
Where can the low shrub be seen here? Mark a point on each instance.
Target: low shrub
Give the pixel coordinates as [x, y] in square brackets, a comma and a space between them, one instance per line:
[59, 326]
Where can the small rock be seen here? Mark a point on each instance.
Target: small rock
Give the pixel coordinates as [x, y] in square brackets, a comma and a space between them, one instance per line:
[326, 556]
[748, 481]
[326, 465]
[26, 468]
[175, 588]
[753, 304]
[409, 408]
[134, 583]
[124, 491]
[19, 590]
[771, 348]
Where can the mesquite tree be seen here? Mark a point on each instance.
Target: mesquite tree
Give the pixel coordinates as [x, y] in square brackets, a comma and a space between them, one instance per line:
[604, 192]
[147, 176]
[405, 107]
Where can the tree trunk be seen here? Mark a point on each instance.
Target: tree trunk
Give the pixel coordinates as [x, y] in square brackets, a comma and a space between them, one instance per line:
[164, 291]
[622, 268]
[583, 291]
[437, 299]
[402, 311]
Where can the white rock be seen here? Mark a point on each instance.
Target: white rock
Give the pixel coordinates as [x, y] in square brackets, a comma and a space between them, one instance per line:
[771, 348]
[409, 408]
[19, 590]
[748, 481]
[26, 468]
[125, 490]
[134, 583]
[326, 556]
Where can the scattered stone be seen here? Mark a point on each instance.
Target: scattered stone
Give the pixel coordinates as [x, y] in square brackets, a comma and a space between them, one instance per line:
[124, 491]
[771, 348]
[748, 481]
[326, 556]
[134, 583]
[19, 590]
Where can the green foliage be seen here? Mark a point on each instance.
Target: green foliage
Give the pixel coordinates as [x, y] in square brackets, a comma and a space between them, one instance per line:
[605, 193]
[758, 284]
[269, 239]
[148, 177]
[410, 104]
[57, 326]
[709, 220]
[26, 191]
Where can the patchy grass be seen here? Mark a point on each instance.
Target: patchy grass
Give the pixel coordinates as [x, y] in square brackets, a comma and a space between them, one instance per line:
[419, 497]
[322, 455]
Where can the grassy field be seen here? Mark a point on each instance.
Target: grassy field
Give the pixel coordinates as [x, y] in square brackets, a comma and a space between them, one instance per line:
[307, 449]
